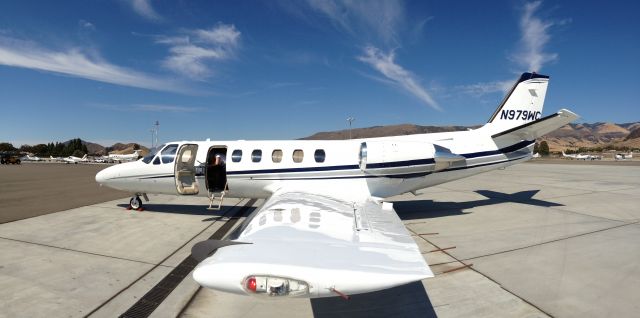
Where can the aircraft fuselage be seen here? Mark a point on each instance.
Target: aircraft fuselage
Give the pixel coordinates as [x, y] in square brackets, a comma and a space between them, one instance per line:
[388, 166]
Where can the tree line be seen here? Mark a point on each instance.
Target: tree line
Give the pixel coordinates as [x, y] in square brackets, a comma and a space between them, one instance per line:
[74, 147]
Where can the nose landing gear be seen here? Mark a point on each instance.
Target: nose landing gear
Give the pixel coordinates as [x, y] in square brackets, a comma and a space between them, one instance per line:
[135, 203]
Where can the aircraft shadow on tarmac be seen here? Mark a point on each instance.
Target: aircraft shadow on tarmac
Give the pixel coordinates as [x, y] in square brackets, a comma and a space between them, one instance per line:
[191, 209]
[409, 300]
[425, 209]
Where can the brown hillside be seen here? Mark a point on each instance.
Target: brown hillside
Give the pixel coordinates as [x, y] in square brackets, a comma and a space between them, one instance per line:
[571, 136]
[634, 134]
[125, 149]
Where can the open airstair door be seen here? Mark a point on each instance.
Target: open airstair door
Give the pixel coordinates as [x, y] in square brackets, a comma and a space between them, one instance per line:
[185, 170]
[216, 173]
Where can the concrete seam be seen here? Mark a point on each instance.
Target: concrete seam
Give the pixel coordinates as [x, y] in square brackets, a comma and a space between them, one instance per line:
[548, 242]
[79, 251]
[193, 296]
[149, 306]
[156, 265]
[489, 278]
[52, 212]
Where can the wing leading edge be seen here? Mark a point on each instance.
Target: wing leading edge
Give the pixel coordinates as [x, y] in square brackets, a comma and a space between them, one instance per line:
[310, 245]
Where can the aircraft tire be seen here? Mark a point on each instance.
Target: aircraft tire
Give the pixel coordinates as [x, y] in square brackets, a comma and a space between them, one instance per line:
[135, 203]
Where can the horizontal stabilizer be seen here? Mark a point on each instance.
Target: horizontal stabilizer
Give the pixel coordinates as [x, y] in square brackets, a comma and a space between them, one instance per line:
[444, 158]
[537, 128]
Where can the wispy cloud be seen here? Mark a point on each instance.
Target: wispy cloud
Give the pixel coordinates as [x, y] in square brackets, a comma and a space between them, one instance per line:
[191, 50]
[530, 55]
[375, 21]
[166, 108]
[156, 108]
[481, 89]
[84, 24]
[306, 102]
[386, 65]
[534, 37]
[144, 9]
[266, 87]
[78, 63]
[380, 18]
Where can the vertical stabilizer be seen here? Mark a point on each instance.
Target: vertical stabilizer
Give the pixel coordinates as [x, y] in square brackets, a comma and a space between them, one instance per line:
[523, 103]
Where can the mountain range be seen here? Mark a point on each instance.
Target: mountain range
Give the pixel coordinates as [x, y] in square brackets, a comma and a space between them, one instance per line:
[571, 136]
[118, 148]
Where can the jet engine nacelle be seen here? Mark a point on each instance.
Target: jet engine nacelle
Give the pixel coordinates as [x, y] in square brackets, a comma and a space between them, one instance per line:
[376, 157]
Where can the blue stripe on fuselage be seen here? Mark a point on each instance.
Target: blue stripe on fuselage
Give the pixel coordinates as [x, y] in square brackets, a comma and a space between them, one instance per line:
[394, 164]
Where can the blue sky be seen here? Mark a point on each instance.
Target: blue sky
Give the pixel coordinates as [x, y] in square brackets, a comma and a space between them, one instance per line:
[104, 71]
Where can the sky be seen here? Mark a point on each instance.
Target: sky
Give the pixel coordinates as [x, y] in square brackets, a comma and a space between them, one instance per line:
[105, 71]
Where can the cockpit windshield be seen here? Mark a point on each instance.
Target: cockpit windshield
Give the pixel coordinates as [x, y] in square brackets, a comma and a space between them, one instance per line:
[152, 153]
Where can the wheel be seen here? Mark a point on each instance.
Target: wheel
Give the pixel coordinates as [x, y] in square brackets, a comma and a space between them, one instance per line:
[135, 203]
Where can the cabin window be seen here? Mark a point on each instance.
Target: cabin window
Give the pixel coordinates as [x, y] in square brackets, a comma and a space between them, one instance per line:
[168, 154]
[319, 155]
[236, 155]
[156, 161]
[256, 155]
[276, 155]
[298, 155]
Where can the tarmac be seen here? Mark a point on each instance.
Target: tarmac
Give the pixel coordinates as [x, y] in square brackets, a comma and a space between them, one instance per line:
[533, 240]
[33, 189]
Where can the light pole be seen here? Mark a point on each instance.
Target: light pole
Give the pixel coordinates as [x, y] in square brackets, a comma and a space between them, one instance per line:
[157, 128]
[350, 119]
[154, 135]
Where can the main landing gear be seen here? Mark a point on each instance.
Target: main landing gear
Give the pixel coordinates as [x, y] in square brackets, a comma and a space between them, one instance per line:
[135, 203]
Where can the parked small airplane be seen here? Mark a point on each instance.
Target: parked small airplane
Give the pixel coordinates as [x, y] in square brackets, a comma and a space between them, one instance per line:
[29, 158]
[73, 159]
[56, 159]
[624, 156]
[581, 156]
[325, 228]
[122, 158]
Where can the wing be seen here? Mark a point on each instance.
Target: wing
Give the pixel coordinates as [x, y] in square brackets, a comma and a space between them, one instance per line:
[310, 245]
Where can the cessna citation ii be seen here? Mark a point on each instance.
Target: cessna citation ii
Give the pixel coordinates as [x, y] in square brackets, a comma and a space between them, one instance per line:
[325, 228]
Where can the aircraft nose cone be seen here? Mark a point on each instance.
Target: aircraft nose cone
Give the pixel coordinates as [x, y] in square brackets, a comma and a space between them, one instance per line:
[103, 176]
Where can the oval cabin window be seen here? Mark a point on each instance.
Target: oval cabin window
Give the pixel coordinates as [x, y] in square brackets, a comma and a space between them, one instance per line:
[319, 155]
[256, 155]
[276, 156]
[298, 155]
[236, 156]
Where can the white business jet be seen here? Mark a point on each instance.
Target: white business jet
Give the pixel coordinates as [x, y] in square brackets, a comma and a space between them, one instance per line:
[123, 158]
[325, 228]
[73, 159]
